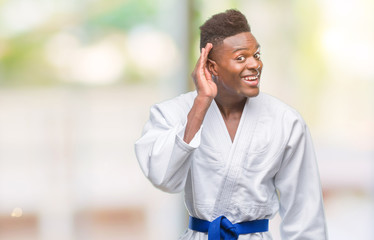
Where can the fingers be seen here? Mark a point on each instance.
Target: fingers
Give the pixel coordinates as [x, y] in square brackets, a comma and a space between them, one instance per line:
[208, 47]
[208, 75]
[201, 71]
[205, 52]
[202, 62]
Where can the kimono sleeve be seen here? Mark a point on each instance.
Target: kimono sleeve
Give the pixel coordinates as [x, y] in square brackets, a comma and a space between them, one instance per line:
[161, 152]
[299, 188]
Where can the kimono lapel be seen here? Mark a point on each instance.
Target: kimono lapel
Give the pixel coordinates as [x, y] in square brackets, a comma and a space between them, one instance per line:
[236, 155]
[215, 130]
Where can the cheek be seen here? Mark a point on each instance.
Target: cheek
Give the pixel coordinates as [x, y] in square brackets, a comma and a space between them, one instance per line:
[230, 68]
[235, 68]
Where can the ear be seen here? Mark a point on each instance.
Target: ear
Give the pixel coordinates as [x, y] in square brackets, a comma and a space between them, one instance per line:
[212, 67]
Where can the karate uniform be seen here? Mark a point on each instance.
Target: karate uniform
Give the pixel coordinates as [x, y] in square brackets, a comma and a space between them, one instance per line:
[270, 166]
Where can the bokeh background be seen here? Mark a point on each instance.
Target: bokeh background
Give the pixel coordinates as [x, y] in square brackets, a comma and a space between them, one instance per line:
[77, 79]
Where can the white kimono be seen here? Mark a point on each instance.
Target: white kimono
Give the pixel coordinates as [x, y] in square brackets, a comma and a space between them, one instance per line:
[269, 166]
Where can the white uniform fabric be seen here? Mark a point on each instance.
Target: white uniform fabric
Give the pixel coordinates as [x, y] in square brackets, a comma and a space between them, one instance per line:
[269, 167]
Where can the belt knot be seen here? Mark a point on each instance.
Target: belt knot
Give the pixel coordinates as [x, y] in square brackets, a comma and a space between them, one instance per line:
[221, 227]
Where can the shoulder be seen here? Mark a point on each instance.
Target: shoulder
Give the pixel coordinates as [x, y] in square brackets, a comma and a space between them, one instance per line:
[272, 102]
[176, 108]
[272, 106]
[184, 100]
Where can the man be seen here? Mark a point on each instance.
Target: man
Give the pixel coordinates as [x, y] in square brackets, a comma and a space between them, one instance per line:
[240, 155]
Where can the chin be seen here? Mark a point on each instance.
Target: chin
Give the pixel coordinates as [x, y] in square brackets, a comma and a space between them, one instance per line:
[252, 93]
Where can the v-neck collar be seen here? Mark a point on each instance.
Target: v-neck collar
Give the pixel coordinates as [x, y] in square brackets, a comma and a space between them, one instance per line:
[237, 150]
[223, 124]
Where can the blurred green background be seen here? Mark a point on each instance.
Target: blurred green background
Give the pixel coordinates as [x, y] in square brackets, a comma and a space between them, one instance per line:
[77, 79]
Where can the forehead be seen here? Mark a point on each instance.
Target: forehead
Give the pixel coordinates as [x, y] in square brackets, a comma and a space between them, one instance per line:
[241, 41]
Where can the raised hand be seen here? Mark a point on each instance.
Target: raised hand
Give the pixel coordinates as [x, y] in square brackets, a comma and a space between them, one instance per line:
[206, 92]
[205, 86]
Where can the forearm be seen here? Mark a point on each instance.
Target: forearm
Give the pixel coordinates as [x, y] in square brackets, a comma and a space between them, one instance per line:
[196, 117]
[300, 195]
[161, 151]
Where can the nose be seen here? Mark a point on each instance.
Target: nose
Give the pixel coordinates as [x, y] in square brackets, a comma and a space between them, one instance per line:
[253, 63]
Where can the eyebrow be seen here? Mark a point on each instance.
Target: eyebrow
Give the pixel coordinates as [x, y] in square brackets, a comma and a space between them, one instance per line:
[239, 49]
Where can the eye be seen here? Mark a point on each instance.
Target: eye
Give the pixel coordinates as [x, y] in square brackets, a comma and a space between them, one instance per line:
[240, 58]
[257, 56]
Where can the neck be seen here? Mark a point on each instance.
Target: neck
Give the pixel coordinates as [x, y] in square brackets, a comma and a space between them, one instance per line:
[228, 105]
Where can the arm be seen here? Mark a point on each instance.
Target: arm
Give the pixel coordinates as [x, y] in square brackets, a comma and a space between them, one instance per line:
[206, 92]
[163, 150]
[300, 195]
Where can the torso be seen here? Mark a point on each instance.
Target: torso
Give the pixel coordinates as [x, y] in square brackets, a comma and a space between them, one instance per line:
[232, 124]
[232, 117]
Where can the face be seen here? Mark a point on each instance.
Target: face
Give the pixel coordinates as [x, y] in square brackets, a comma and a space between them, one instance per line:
[237, 65]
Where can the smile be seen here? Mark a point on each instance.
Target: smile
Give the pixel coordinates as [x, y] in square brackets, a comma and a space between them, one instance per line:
[250, 78]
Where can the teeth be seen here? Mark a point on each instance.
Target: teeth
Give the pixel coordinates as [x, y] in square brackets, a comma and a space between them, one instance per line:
[250, 78]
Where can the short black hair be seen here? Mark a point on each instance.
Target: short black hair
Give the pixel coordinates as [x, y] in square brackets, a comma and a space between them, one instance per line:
[221, 26]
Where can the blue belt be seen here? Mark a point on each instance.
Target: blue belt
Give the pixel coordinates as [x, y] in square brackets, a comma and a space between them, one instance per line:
[222, 228]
